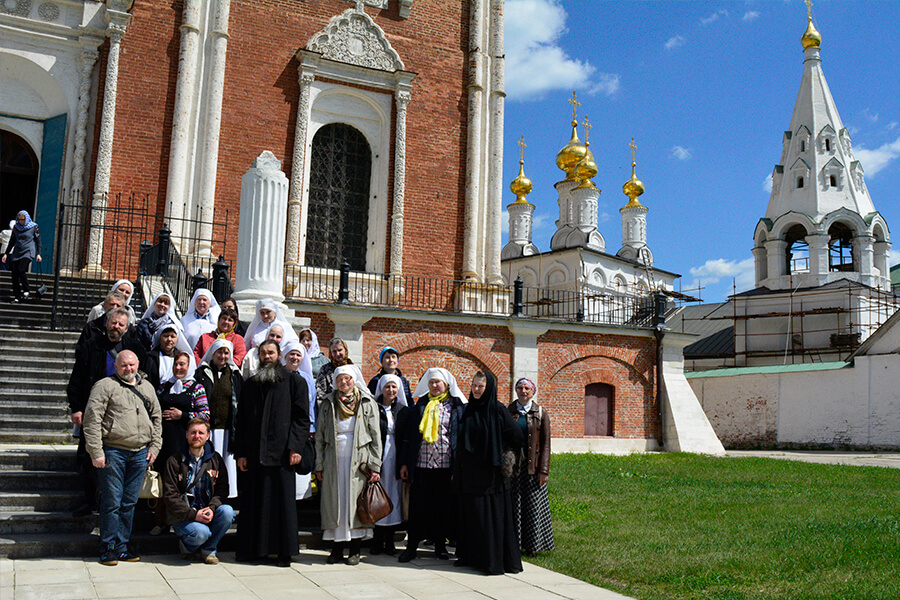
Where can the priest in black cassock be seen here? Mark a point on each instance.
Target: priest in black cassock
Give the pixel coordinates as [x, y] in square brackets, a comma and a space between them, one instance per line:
[272, 426]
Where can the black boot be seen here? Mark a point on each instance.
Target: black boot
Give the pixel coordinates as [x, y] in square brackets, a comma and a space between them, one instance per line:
[337, 553]
[389, 547]
[407, 555]
[377, 541]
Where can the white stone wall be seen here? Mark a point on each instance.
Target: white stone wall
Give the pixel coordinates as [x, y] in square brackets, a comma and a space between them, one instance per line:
[856, 406]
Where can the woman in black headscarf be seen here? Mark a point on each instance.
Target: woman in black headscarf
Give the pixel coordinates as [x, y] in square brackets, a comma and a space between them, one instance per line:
[486, 538]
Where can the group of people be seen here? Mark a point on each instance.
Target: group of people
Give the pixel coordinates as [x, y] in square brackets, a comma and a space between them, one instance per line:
[228, 412]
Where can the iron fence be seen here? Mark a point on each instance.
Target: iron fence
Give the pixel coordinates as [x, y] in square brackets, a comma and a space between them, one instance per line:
[314, 284]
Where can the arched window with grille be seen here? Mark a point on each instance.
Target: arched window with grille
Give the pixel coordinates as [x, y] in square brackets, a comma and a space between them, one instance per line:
[339, 180]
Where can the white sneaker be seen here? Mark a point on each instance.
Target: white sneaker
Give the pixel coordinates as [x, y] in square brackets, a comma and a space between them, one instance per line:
[211, 559]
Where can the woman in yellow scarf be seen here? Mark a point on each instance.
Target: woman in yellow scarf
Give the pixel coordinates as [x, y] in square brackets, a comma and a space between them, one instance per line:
[430, 444]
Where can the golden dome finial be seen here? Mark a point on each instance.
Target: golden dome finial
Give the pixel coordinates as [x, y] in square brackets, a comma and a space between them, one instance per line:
[521, 185]
[572, 153]
[811, 38]
[634, 187]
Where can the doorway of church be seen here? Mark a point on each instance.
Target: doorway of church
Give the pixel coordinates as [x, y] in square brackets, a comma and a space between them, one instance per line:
[598, 409]
[19, 169]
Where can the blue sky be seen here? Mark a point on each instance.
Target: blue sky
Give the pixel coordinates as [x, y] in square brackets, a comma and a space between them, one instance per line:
[707, 90]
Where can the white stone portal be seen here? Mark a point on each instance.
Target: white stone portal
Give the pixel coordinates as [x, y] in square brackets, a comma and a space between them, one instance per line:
[259, 271]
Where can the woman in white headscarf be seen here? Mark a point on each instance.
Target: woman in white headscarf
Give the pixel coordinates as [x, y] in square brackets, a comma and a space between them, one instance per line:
[158, 314]
[124, 287]
[348, 453]
[427, 462]
[222, 381]
[267, 314]
[168, 341]
[393, 411]
[310, 341]
[295, 360]
[202, 315]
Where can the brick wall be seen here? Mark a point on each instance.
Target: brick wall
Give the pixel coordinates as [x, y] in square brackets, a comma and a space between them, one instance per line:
[568, 362]
[260, 103]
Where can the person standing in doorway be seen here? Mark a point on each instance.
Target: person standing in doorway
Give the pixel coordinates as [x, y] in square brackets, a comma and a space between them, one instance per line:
[24, 246]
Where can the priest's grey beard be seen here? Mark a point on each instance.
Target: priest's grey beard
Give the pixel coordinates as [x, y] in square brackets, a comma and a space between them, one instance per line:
[269, 374]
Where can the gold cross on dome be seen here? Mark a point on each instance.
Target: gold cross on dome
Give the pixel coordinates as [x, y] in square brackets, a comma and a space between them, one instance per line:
[575, 104]
[633, 147]
[809, 5]
[587, 130]
[522, 146]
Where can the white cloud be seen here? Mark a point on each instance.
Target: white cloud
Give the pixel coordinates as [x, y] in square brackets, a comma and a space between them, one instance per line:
[875, 160]
[750, 15]
[681, 153]
[536, 63]
[767, 184]
[713, 271]
[674, 42]
[892, 125]
[873, 117]
[714, 17]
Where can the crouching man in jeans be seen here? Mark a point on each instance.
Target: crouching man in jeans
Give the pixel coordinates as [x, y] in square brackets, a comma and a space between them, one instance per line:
[195, 485]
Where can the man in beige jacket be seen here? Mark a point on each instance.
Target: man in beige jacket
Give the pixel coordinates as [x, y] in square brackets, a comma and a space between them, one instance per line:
[123, 434]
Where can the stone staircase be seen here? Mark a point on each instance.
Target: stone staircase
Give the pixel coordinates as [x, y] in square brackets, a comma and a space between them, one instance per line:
[39, 486]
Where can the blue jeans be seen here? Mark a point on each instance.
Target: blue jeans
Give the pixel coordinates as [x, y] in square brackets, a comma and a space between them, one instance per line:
[120, 483]
[199, 536]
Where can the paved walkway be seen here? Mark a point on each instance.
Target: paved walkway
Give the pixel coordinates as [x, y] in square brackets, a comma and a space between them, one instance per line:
[309, 578]
[862, 459]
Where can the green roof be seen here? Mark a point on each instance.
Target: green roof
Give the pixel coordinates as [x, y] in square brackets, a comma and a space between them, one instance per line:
[821, 366]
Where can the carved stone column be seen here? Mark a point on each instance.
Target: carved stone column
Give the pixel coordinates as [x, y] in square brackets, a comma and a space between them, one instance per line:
[818, 258]
[117, 19]
[259, 271]
[72, 237]
[207, 193]
[401, 97]
[176, 187]
[494, 196]
[476, 85]
[292, 252]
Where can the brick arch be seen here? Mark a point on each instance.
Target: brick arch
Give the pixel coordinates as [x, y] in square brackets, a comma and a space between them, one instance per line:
[634, 413]
[463, 365]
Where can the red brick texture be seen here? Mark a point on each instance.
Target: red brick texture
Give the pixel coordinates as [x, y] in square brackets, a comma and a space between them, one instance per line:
[260, 105]
[569, 361]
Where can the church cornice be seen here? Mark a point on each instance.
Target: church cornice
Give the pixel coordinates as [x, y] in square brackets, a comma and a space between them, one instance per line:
[354, 38]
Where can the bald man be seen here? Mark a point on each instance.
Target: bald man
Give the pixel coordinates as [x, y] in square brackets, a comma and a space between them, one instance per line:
[122, 433]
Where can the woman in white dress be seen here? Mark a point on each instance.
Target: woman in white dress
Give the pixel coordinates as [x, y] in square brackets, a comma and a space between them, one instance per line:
[348, 453]
[295, 360]
[392, 409]
[202, 315]
[124, 287]
[267, 314]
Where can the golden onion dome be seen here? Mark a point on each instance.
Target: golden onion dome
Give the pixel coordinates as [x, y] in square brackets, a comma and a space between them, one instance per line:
[571, 154]
[521, 185]
[811, 37]
[586, 169]
[633, 188]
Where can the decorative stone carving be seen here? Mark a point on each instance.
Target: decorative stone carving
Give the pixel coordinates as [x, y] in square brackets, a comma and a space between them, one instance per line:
[295, 196]
[354, 38]
[402, 98]
[19, 8]
[48, 11]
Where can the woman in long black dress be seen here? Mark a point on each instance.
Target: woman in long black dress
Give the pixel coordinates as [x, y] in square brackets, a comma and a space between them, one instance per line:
[486, 537]
[181, 398]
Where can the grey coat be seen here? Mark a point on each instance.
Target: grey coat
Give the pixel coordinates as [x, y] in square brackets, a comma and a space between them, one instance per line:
[24, 244]
[366, 451]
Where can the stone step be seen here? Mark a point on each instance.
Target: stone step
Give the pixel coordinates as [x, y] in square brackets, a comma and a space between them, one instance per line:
[18, 546]
[44, 522]
[49, 501]
[8, 334]
[37, 437]
[48, 383]
[33, 423]
[32, 458]
[32, 398]
[29, 481]
[50, 361]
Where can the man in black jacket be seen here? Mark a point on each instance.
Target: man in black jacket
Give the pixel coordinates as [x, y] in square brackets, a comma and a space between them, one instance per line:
[97, 326]
[195, 487]
[94, 360]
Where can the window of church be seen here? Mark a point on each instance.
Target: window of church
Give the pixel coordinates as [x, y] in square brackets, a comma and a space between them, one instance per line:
[799, 182]
[340, 173]
[802, 146]
[827, 145]
[840, 249]
[832, 180]
[797, 251]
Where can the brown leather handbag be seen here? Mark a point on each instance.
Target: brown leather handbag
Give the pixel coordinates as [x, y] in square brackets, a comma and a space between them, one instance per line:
[373, 503]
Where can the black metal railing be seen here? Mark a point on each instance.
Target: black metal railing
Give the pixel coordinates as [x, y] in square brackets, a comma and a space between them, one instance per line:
[313, 284]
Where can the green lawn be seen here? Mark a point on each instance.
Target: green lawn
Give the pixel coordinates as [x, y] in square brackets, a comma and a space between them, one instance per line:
[666, 526]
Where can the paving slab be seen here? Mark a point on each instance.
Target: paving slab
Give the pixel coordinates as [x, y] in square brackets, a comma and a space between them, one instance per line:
[169, 577]
[860, 459]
